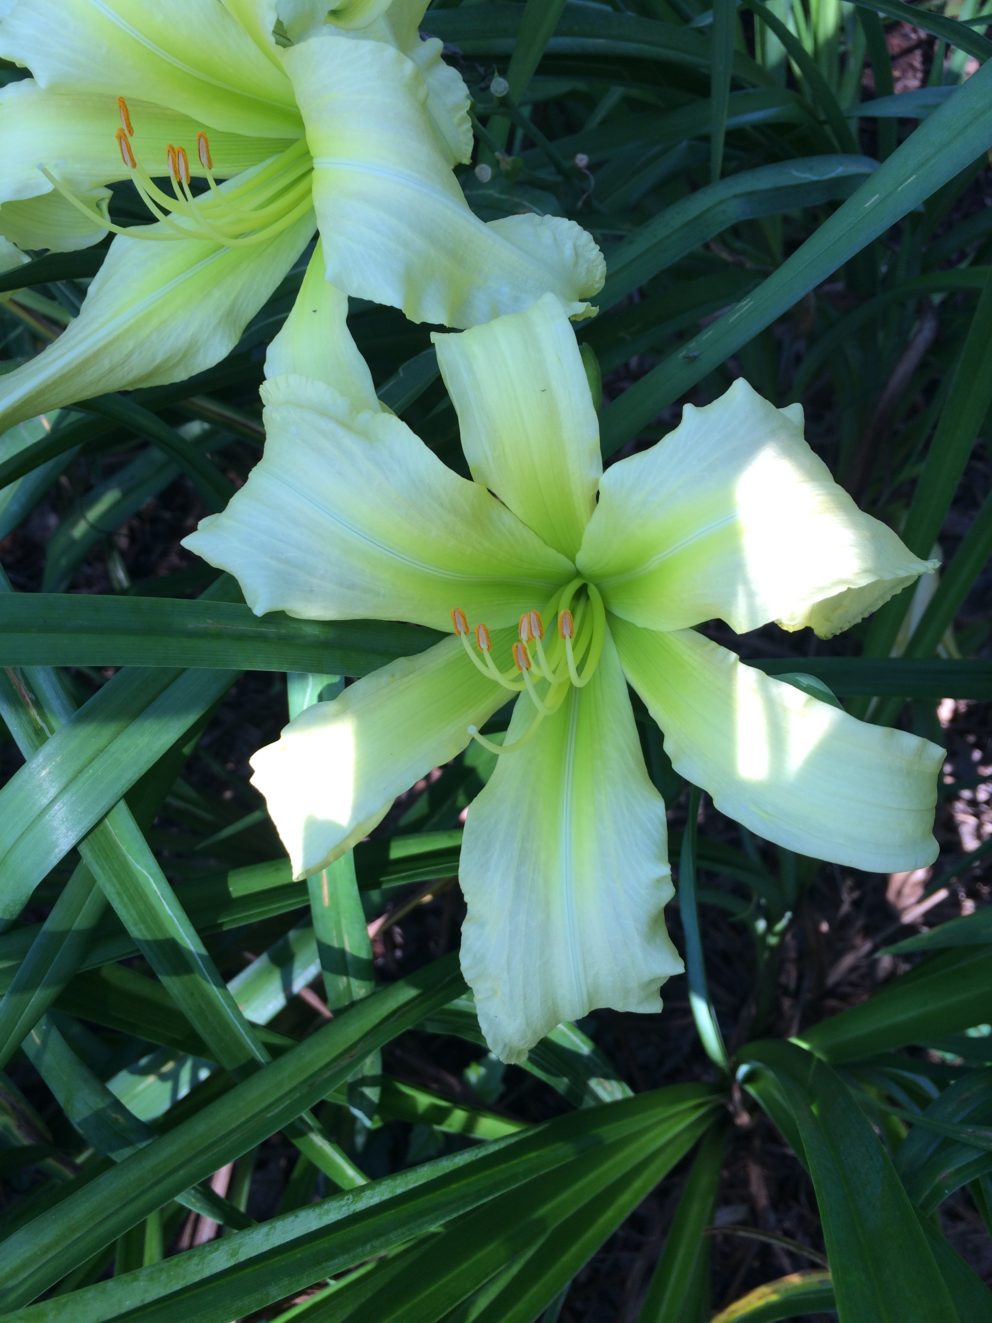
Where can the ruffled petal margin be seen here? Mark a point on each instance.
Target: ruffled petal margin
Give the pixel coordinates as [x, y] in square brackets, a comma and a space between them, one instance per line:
[565, 872]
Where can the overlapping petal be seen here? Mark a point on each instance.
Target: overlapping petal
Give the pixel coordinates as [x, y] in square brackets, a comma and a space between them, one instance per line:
[565, 872]
[351, 516]
[314, 341]
[154, 313]
[528, 427]
[187, 54]
[51, 221]
[448, 99]
[733, 516]
[396, 227]
[335, 770]
[799, 772]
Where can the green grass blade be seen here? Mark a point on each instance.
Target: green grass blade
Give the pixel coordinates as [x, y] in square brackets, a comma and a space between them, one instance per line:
[781, 1301]
[955, 34]
[103, 1121]
[59, 630]
[943, 995]
[52, 1245]
[882, 1264]
[945, 144]
[723, 35]
[966, 405]
[89, 764]
[767, 190]
[51, 960]
[682, 1253]
[246, 1270]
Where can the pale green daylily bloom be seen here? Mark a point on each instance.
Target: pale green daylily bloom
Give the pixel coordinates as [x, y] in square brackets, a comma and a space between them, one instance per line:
[563, 864]
[351, 127]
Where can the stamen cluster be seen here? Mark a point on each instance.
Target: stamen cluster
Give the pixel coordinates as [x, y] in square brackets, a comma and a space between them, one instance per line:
[545, 673]
[269, 199]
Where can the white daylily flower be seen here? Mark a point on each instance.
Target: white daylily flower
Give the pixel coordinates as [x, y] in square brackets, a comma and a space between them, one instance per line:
[564, 864]
[353, 129]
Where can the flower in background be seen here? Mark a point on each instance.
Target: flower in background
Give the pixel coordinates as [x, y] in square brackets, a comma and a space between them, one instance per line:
[241, 135]
[563, 585]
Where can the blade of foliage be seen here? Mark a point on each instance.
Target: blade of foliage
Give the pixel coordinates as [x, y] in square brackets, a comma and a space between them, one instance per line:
[103, 1121]
[683, 1254]
[248, 1269]
[794, 1296]
[545, 1231]
[946, 143]
[970, 930]
[966, 404]
[52, 1245]
[585, 30]
[882, 1263]
[934, 1165]
[55, 630]
[942, 995]
[768, 190]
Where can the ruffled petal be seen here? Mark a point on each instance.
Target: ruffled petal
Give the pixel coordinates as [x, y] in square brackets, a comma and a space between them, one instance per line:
[397, 229]
[315, 342]
[528, 426]
[733, 516]
[349, 515]
[565, 872]
[448, 99]
[358, 13]
[156, 312]
[798, 771]
[193, 57]
[335, 770]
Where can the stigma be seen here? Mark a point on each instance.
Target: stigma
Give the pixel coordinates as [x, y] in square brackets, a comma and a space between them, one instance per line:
[252, 209]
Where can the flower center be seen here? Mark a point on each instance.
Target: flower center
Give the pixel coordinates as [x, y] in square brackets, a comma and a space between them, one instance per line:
[545, 670]
[262, 202]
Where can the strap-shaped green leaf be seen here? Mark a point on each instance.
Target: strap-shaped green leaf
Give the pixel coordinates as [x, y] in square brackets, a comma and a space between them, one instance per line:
[885, 1265]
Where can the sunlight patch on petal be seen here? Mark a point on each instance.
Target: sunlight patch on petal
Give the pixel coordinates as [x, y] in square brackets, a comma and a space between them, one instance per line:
[732, 515]
[797, 771]
[334, 772]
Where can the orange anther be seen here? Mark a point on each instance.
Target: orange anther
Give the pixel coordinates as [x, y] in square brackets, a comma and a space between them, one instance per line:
[127, 155]
[521, 657]
[125, 115]
[523, 629]
[483, 638]
[459, 620]
[536, 624]
[203, 151]
[182, 166]
[566, 624]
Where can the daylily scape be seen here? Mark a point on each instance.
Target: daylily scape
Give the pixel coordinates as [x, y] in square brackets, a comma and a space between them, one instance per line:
[244, 126]
[561, 585]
